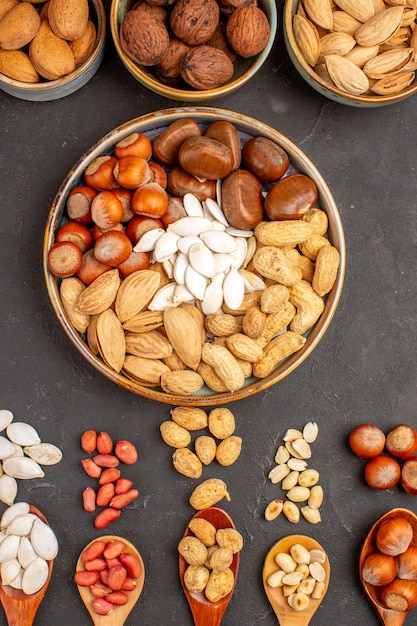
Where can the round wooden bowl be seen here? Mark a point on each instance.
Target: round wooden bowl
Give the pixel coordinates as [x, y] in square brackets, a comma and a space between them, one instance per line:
[152, 124]
[47, 90]
[328, 89]
[244, 70]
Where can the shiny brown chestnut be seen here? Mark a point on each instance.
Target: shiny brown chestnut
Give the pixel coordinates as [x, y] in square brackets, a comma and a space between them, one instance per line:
[205, 158]
[264, 158]
[226, 133]
[166, 145]
[291, 197]
[242, 200]
[181, 182]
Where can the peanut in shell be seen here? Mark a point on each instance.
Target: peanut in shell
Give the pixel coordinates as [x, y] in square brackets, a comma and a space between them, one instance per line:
[208, 493]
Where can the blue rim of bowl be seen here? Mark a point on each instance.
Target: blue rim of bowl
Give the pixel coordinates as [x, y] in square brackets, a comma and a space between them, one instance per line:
[55, 89]
[320, 85]
[146, 78]
[155, 122]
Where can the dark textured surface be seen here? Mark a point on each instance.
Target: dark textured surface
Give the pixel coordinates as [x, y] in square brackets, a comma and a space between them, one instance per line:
[363, 370]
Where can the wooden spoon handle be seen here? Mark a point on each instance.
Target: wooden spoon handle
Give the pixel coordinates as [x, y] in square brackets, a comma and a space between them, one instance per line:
[392, 618]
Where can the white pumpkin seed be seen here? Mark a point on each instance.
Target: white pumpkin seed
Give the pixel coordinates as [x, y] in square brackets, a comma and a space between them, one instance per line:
[239, 255]
[202, 260]
[44, 540]
[222, 262]
[16, 509]
[6, 448]
[23, 434]
[163, 298]
[196, 283]
[218, 241]
[215, 225]
[236, 232]
[25, 554]
[192, 205]
[251, 249]
[215, 211]
[168, 266]
[35, 576]
[180, 266]
[185, 243]
[148, 240]
[9, 571]
[18, 450]
[16, 583]
[213, 297]
[252, 281]
[22, 467]
[8, 489]
[21, 525]
[165, 246]
[6, 417]
[233, 289]
[9, 548]
[187, 226]
[182, 294]
[44, 453]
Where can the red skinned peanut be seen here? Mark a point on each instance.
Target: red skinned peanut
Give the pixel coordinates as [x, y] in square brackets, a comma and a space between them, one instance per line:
[88, 441]
[95, 565]
[122, 485]
[128, 584]
[131, 563]
[89, 499]
[122, 500]
[117, 597]
[100, 590]
[94, 550]
[113, 549]
[104, 443]
[105, 494]
[106, 517]
[86, 579]
[109, 475]
[91, 468]
[102, 607]
[126, 452]
[117, 574]
[106, 460]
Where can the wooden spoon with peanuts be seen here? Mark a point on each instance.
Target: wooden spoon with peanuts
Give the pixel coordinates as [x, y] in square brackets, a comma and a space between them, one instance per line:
[206, 613]
[19, 607]
[118, 615]
[285, 613]
[389, 617]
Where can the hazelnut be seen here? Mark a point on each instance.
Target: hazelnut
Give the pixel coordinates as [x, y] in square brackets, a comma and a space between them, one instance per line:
[205, 67]
[248, 30]
[144, 38]
[194, 21]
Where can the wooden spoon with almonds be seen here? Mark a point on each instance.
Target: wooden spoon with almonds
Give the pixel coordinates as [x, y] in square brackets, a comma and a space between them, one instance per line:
[388, 616]
[285, 613]
[205, 612]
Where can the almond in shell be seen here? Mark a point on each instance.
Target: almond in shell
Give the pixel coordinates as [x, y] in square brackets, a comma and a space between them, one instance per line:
[388, 63]
[68, 18]
[144, 371]
[393, 84]
[111, 340]
[136, 291]
[100, 295]
[151, 345]
[184, 333]
[19, 26]
[181, 382]
[6, 6]
[307, 38]
[82, 47]
[380, 27]
[51, 56]
[70, 290]
[346, 75]
[320, 12]
[17, 65]
[361, 10]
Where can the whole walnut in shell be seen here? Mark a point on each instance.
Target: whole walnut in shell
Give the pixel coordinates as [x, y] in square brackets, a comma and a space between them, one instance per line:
[143, 37]
[169, 69]
[206, 67]
[156, 10]
[248, 30]
[219, 40]
[228, 6]
[194, 21]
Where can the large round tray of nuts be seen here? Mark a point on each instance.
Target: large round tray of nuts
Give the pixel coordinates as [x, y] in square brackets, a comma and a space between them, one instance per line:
[194, 256]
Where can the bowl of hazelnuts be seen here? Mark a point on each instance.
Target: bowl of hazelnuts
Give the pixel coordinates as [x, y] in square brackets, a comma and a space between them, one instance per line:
[193, 50]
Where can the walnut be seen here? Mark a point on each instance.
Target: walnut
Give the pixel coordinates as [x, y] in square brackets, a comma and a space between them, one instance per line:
[194, 21]
[248, 30]
[143, 37]
[169, 69]
[206, 67]
[156, 10]
[228, 6]
[219, 40]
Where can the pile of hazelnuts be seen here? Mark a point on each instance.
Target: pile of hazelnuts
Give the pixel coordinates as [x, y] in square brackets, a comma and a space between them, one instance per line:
[390, 458]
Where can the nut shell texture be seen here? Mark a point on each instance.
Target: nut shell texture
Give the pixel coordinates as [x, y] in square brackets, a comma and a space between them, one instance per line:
[248, 30]
[144, 38]
[206, 67]
[194, 21]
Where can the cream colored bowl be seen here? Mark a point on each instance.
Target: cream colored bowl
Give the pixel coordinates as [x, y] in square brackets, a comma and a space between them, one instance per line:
[152, 124]
[244, 70]
[324, 87]
[54, 89]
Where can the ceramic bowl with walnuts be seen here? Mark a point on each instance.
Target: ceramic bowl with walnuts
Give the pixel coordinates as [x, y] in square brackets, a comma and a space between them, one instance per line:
[191, 50]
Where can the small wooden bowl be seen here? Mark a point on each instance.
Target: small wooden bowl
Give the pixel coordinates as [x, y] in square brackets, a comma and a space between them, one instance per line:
[47, 90]
[366, 100]
[152, 124]
[244, 70]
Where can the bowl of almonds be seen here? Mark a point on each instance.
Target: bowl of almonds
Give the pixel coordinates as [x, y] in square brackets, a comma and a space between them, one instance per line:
[194, 257]
[356, 52]
[49, 50]
[191, 50]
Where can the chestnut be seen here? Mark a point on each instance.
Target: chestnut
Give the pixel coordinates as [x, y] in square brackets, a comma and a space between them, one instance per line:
[242, 200]
[266, 159]
[290, 197]
[165, 147]
[205, 158]
[181, 182]
[226, 133]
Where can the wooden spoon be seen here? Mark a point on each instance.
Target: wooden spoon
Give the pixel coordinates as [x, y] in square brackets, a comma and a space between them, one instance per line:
[206, 613]
[286, 615]
[388, 617]
[21, 608]
[120, 612]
